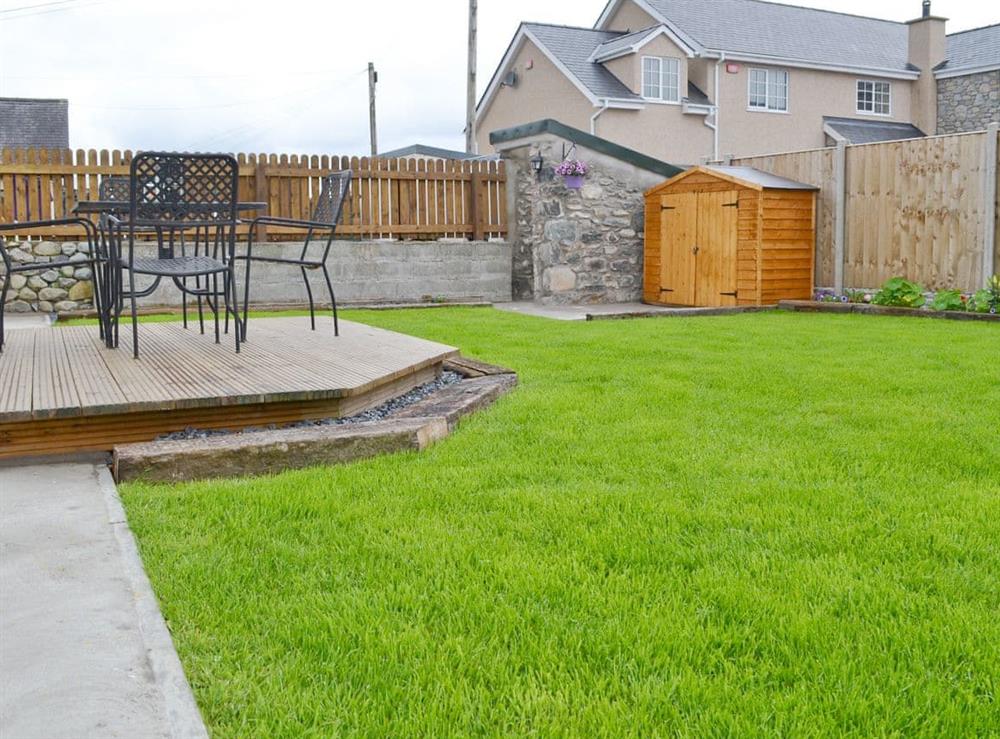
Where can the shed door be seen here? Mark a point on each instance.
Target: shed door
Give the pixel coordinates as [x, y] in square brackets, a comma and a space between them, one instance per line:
[715, 260]
[678, 233]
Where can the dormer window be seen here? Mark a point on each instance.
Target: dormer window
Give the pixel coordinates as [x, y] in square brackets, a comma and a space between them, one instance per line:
[874, 97]
[661, 78]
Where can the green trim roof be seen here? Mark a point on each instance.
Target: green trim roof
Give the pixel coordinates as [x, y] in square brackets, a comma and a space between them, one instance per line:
[594, 143]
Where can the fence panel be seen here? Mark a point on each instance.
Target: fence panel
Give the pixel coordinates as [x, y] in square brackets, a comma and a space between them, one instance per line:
[390, 198]
[916, 208]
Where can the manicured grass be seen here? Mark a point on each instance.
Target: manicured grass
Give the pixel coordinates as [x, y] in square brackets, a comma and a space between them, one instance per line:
[771, 524]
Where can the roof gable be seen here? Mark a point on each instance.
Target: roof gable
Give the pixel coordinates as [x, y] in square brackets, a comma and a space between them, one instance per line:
[631, 43]
[569, 49]
[748, 177]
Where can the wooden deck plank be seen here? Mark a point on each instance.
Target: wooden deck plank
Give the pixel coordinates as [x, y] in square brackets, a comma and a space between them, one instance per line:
[16, 364]
[68, 372]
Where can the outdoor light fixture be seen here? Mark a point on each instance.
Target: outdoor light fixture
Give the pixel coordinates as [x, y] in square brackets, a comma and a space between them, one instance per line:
[537, 162]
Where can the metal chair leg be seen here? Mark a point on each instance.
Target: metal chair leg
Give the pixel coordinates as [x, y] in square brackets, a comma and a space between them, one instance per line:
[3, 305]
[333, 301]
[309, 292]
[231, 292]
[135, 317]
[215, 292]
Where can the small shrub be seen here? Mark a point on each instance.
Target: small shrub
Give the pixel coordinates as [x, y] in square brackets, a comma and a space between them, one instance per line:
[858, 296]
[987, 300]
[900, 292]
[948, 300]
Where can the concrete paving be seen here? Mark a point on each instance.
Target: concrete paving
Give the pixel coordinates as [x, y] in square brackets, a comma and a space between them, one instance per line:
[15, 321]
[604, 311]
[84, 651]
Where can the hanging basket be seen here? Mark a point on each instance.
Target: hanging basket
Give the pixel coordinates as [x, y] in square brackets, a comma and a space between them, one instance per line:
[573, 181]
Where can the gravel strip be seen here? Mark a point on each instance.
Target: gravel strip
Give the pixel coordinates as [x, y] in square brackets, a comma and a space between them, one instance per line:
[378, 413]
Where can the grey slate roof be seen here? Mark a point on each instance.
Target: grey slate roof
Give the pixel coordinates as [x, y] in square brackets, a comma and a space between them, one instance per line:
[858, 131]
[422, 150]
[764, 179]
[974, 48]
[33, 122]
[573, 47]
[791, 32]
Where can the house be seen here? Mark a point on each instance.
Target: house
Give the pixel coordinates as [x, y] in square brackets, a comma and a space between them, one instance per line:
[686, 80]
[34, 122]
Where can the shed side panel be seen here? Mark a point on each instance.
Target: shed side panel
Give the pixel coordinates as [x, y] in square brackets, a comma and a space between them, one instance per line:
[788, 244]
[651, 250]
[746, 248]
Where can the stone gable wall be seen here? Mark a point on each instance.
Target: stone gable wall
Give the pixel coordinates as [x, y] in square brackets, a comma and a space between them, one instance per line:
[576, 246]
[968, 103]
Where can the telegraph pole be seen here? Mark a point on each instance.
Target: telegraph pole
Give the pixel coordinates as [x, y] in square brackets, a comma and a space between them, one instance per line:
[470, 100]
[372, 79]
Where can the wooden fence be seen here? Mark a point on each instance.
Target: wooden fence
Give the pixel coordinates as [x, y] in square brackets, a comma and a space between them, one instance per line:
[390, 198]
[926, 209]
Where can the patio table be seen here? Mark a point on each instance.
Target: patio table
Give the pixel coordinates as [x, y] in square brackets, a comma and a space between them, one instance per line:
[120, 208]
[91, 207]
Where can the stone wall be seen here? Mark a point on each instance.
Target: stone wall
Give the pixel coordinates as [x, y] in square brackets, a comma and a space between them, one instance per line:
[575, 246]
[63, 286]
[968, 103]
[362, 272]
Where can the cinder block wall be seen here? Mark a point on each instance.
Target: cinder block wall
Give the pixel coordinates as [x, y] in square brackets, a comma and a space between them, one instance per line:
[362, 272]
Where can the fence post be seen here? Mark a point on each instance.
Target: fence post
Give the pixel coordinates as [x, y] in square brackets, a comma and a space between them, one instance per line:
[839, 214]
[475, 214]
[990, 201]
[261, 192]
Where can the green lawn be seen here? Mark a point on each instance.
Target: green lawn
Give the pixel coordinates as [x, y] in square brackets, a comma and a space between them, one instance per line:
[769, 524]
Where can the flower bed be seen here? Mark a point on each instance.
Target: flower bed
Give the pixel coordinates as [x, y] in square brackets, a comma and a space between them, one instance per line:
[899, 294]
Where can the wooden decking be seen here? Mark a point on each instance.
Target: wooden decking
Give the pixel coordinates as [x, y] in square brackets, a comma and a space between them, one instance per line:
[62, 391]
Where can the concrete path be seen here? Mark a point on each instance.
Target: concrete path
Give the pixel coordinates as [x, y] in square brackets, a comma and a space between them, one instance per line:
[15, 321]
[609, 310]
[84, 651]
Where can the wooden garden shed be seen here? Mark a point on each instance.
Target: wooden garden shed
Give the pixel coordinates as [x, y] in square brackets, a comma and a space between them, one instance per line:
[727, 236]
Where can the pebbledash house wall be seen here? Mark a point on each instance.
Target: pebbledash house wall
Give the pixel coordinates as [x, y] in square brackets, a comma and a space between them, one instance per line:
[968, 103]
[363, 272]
[575, 246]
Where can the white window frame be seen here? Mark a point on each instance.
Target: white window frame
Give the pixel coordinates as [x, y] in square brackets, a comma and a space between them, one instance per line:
[663, 63]
[874, 84]
[770, 80]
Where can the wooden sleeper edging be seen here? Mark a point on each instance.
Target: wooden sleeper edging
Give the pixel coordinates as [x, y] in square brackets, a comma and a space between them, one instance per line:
[270, 451]
[815, 306]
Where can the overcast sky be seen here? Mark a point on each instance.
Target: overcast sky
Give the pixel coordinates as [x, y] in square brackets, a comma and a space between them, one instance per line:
[287, 75]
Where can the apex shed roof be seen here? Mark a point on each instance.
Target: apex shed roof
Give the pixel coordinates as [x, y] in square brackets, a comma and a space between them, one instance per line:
[745, 176]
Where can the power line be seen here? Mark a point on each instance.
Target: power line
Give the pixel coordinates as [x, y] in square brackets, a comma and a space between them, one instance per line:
[73, 6]
[39, 5]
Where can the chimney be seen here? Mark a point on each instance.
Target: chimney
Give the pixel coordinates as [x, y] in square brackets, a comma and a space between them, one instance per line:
[927, 48]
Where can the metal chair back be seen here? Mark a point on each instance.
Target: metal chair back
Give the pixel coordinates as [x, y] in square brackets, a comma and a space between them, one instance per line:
[331, 198]
[184, 190]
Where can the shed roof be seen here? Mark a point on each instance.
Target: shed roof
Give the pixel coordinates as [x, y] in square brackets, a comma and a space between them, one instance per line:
[746, 176]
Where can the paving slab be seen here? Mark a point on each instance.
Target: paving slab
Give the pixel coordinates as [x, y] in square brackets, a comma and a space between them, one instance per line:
[16, 321]
[84, 650]
[606, 311]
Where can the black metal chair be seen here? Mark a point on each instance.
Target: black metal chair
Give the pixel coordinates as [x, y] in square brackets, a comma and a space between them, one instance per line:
[169, 195]
[96, 261]
[325, 219]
